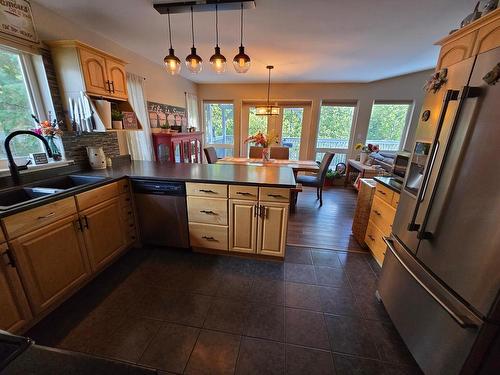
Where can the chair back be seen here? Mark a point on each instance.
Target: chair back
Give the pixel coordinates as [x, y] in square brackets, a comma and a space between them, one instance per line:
[280, 152]
[323, 167]
[210, 154]
[255, 152]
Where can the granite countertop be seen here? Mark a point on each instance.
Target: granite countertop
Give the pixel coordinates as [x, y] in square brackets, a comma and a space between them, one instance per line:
[208, 173]
[389, 182]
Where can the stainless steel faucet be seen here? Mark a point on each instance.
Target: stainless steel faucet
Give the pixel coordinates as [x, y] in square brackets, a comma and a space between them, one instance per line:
[13, 167]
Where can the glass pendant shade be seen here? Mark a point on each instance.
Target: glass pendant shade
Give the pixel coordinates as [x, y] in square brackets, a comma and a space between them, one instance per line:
[194, 63]
[241, 61]
[172, 63]
[218, 61]
[267, 110]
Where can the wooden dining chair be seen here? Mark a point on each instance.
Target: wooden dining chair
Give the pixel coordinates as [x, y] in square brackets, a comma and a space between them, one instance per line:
[318, 180]
[280, 152]
[255, 152]
[210, 154]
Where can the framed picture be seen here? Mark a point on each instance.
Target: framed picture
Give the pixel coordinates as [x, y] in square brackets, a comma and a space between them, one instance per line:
[164, 115]
[130, 120]
[16, 20]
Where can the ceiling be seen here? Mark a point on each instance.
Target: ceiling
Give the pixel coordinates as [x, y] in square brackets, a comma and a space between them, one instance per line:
[306, 40]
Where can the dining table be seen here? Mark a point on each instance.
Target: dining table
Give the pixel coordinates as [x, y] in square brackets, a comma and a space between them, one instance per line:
[296, 165]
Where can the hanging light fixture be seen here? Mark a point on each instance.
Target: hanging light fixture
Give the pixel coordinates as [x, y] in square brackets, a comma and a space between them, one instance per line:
[172, 63]
[268, 109]
[193, 62]
[241, 61]
[217, 61]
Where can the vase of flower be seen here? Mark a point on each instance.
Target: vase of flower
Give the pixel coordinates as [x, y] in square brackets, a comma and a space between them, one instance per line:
[366, 150]
[266, 154]
[56, 154]
[50, 130]
[265, 141]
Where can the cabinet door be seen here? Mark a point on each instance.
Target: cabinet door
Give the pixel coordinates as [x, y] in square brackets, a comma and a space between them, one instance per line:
[103, 233]
[118, 78]
[14, 309]
[94, 72]
[272, 228]
[52, 262]
[242, 226]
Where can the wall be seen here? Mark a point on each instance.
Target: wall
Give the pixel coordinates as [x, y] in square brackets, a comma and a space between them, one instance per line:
[407, 87]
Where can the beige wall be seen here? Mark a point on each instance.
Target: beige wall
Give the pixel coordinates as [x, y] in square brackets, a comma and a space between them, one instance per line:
[160, 86]
[407, 87]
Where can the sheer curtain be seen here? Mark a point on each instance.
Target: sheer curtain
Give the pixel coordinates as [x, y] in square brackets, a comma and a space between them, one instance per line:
[139, 143]
[192, 111]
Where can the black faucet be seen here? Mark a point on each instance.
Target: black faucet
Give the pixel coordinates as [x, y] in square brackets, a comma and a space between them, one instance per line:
[13, 167]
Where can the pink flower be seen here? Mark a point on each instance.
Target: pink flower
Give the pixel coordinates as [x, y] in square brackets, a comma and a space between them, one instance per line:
[37, 131]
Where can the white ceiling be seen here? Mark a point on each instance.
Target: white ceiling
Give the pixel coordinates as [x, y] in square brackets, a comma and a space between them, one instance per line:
[306, 40]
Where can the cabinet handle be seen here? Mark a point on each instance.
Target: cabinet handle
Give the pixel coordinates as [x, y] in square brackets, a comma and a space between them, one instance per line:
[382, 192]
[256, 210]
[275, 195]
[377, 213]
[85, 222]
[371, 237]
[244, 193]
[208, 238]
[208, 212]
[263, 212]
[112, 84]
[207, 191]
[8, 258]
[108, 83]
[78, 224]
[46, 216]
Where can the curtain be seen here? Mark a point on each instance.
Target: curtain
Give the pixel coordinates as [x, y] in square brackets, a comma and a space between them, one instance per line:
[139, 143]
[192, 111]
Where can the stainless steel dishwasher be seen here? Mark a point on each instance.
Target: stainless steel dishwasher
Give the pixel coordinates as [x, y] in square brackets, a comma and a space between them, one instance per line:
[162, 212]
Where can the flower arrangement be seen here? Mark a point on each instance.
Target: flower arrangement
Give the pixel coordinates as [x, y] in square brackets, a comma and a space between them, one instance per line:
[369, 148]
[261, 139]
[50, 129]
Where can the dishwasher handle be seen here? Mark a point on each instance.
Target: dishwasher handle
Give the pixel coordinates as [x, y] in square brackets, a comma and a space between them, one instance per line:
[156, 187]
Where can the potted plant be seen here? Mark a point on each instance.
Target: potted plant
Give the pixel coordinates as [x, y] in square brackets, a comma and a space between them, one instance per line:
[117, 119]
[265, 141]
[365, 151]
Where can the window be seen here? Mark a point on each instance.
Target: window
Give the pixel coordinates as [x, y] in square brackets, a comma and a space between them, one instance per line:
[388, 124]
[291, 130]
[219, 127]
[18, 101]
[334, 131]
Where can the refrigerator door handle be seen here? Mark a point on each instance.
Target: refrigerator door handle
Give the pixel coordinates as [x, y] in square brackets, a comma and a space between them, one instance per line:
[450, 95]
[461, 320]
[467, 93]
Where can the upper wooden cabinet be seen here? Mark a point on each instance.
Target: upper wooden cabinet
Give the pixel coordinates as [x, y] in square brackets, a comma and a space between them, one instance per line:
[478, 37]
[103, 75]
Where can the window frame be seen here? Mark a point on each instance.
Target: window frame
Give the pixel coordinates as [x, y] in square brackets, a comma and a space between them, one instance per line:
[222, 146]
[406, 128]
[350, 144]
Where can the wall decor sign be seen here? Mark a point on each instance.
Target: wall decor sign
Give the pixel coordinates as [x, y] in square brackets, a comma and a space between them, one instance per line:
[166, 116]
[16, 20]
[130, 120]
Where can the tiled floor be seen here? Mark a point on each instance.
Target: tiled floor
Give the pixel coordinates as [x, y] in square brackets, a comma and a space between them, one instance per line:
[203, 314]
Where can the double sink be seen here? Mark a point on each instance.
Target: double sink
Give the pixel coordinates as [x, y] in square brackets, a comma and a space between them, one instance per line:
[26, 194]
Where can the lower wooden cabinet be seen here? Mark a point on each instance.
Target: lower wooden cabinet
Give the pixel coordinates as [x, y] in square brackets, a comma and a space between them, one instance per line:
[15, 312]
[52, 262]
[243, 226]
[103, 233]
[272, 228]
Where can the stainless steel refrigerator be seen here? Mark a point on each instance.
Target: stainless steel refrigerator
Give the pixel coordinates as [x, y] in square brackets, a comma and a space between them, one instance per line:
[440, 279]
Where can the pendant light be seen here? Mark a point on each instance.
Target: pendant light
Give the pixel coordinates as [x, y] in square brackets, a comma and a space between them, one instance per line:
[267, 110]
[217, 61]
[172, 63]
[193, 62]
[241, 61]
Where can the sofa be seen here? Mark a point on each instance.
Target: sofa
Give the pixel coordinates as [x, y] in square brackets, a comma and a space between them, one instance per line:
[383, 158]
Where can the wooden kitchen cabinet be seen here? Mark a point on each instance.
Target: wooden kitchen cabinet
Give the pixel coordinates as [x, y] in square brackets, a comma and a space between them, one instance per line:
[94, 72]
[243, 226]
[117, 78]
[272, 229]
[15, 312]
[52, 262]
[103, 233]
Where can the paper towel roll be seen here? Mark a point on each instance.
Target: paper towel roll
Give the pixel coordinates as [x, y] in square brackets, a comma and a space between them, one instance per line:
[103, 108]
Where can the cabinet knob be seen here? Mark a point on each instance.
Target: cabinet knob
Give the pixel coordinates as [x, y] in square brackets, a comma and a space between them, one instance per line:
[8, 258]
[377, 213]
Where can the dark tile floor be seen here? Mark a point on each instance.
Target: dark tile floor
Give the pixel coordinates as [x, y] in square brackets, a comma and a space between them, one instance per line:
[181, 312]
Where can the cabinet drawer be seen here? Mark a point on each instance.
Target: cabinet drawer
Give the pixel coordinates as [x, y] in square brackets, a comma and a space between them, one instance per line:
[395, 200]
[250, 193]
[92, 197]
[205, 210]
[208, 236]
[206, 190]
[123, 186]
[274, 194]
[374, 240]
[35, 218]
[384, 193]
[382, 215]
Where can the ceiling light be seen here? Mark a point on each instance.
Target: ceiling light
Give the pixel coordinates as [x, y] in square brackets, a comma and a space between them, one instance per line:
[172, 63]
[193, 62]
[241, 61]
[217, 61]
[268, 109]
